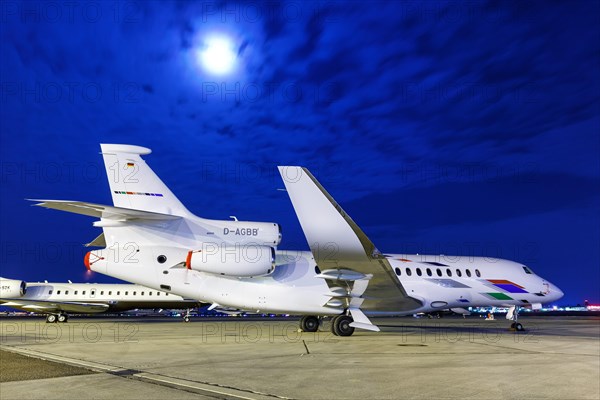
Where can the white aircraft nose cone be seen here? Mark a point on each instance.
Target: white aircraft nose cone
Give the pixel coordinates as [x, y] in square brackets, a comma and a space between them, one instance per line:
[559, 293]
[555, 292]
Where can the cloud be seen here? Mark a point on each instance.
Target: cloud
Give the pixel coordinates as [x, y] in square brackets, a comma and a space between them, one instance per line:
[453, 203]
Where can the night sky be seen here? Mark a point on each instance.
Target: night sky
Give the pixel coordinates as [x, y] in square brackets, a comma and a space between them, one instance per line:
[441, 127]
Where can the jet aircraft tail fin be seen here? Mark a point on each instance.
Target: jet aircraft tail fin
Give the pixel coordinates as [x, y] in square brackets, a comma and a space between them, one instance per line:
[134, 185]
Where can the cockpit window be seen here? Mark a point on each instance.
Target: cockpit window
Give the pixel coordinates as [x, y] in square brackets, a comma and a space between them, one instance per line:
[527, 270]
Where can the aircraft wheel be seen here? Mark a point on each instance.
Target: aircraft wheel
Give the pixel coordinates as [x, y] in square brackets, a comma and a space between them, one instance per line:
[62, 318]
[341, 325]
[333, 324]
[186, 319]
[309, 323]
[50, 319]
[519, 327]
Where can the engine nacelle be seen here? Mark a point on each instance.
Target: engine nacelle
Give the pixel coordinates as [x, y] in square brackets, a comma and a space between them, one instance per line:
[240, 261]
[12, 288]
[245, 232]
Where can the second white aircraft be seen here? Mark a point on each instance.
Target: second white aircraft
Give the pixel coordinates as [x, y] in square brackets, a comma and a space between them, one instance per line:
[58, 300]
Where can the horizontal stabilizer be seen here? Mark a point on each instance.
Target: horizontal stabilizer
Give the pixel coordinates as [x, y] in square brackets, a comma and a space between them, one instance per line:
[103, 211]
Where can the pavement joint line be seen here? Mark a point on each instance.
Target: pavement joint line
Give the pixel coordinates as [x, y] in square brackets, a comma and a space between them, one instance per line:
[143, 376]
[154, 375]
[94, 366]
[152, 379]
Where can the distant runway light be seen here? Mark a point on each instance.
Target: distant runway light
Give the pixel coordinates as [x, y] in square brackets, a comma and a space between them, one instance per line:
[218, 55]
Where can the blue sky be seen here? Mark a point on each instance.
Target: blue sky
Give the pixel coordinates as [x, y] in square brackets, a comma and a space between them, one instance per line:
[441, 127]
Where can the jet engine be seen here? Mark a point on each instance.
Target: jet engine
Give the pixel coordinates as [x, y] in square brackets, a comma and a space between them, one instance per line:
[12, 288]
[229, 260]
[243, 233]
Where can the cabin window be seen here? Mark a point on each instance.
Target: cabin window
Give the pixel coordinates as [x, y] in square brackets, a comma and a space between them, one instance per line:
[398, 272]
[110, 292]
[428, 271]
[149, 293]
[50, 291]
[58, 292]
[76, 292]
[158, 293]
[478, 273]
[126, 293]
[102, 293]
[527, 270]
[118, 293]
[438, 272]
[468, 271]
[408, 272]
[83, 293]
[458, 273]
[66, 292]
[448, 272]
[134, 293]
[93, 292]
[419, 272]
[142, 293]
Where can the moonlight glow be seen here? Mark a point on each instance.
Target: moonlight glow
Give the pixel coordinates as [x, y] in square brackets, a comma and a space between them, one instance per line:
[218, 56]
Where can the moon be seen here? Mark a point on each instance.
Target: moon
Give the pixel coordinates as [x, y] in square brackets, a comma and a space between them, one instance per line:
[218, 55]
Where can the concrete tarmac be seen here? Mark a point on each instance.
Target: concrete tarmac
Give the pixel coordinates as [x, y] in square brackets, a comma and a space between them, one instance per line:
[244, 358]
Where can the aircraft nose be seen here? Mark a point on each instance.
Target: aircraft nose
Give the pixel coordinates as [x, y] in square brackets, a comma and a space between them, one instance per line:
[555, 292]
[558, 293]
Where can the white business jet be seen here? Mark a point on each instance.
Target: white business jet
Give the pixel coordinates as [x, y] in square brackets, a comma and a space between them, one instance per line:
[58, 300]
[151, 239]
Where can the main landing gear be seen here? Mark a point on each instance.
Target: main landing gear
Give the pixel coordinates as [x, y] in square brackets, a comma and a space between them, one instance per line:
[340, 324]
[309, 323]
[62, 317]
[513, 315]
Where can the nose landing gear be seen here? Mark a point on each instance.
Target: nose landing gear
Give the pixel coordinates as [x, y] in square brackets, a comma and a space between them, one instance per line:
[513, 315]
